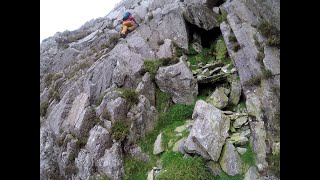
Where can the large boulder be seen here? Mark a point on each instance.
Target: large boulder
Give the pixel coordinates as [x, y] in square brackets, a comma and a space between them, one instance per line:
[230, 160]
[166, 49]
[99, 140]
[111, 164]
[117, 109]
[178, 81]
[235, 93]
[209, 131]
[252, 174]
[201, 16]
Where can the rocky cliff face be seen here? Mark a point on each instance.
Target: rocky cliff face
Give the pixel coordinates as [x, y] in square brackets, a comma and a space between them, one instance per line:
[196, 78]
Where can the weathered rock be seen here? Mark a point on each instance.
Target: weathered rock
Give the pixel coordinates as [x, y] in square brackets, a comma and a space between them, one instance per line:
[117, 109]
[142, 117]
[241, 150]
[48, 156]
[109, 94]
[188, 124]
[209, 131]
[230, 161]
[252, 174]
[201, 16]
[111, 164]
[214, 167]
[258, 140]
[208, 3]
[213, 78]
[216, 10]
[67, 153]
[147, 88]
[157, 149]
[85, 164]
[178, 146]
[166, 49]
[218, 98]
[240, 138]
[240, 121]
[99, 140]
[276, 148]
[235, 93]
[79, 120]
[177, 80]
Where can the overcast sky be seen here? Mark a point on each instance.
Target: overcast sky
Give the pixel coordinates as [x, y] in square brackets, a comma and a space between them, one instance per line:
[61, 15]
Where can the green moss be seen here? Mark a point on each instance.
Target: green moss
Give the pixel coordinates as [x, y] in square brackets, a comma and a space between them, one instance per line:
[48, 79]
[249, 156]
[255, 80]
[43, 108]
[222, 17]
[100, 178]
[130, 96]
[119, 130]
[266, 73]
[162, 100]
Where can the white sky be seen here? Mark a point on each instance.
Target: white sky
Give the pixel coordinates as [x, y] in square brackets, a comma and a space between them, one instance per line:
[61, 15]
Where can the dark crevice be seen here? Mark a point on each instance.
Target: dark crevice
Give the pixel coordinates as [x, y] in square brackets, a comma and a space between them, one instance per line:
[207, 37]
[214, 3]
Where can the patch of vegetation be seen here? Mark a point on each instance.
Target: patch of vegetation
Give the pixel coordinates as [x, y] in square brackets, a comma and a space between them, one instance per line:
[274, 164]
[160, 42]
[232, 38]
[82, 141]
[192, 51]
[78, 36]
[100, 178]
[219, 48]
[54, 94]
[178, 50]
[271, 33]
[222, 17]
[249, 156]
[162, 100]
[177, 167]
[266, 73]
[120, 130]
[48, 79]
[130, 96]
[204, 57]
[135, 169]
[152, 66]
[78, 68]
[43, 108]
[105, 115]
[225, 176]
[255, 80]
[176, 115]
[236, 47]
[99, 99]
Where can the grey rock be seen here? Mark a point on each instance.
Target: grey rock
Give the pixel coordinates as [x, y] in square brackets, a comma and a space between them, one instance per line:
[276, 148]
[240, 121]
[209, 131]
[136, 152]
[252, 174]
[142, 117]
[201, 16]
[230, 161]
[178, 146]
[197, 47]
[177, 80]
[235, 93]
[99, 140]
[258, 140]
[117, 109]
[147, 88]
[214, 167]
[85, 164]
[218, 98]
[111, 164]
[241, 150]
[209, 3]
[166, 49]
[157, 149]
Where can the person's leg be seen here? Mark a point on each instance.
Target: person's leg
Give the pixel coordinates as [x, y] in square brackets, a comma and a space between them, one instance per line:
[131, 26]
[125, 27]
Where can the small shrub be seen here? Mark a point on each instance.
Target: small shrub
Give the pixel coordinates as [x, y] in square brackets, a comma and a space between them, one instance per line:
[43, 108]
[130, 96]
[48, 79]
[274, 40]
[266, 73]
[192, 51]
[160, 42]
[271, 33]
[106, 115]
[152, 66]
[222, 17]
[260, 56]
[236, 47]
[82, 141]
[114, 39]
[255, 80]
[232, 38]
[119, 130]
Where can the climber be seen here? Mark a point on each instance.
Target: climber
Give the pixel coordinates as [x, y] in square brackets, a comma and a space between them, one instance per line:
[127, 24]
